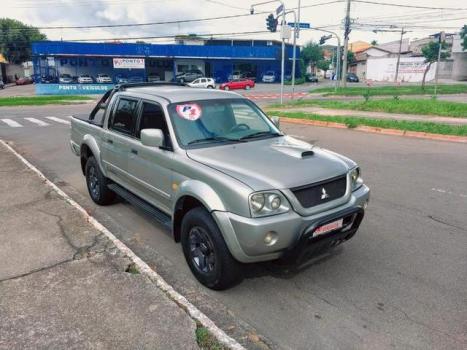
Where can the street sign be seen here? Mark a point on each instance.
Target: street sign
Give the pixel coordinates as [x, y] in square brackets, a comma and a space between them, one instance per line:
[279, 9]
[301, 25]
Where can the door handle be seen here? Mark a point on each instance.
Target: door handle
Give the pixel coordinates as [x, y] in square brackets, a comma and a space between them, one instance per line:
[134, 151]
[110, 141]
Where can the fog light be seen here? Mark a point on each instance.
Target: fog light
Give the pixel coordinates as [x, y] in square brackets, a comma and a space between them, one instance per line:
[270, 238]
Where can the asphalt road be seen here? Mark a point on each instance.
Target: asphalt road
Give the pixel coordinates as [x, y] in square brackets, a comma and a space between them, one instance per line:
[400, 283]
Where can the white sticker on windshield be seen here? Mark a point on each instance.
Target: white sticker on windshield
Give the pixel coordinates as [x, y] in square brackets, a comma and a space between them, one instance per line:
[189, 111]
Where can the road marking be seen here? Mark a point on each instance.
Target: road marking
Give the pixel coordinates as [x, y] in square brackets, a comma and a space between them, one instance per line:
[37, 121]
[440, 190]
[58, 120]
[144, 268]
[12, 123]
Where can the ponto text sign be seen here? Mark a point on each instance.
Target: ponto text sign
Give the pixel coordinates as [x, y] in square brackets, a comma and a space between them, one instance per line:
[128, 63]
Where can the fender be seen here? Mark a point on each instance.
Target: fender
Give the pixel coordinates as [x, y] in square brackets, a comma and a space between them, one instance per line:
[91, 142]
[202, 192]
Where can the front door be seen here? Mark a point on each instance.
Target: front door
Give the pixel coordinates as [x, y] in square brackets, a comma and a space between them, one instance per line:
[116, 139]
[151, 166]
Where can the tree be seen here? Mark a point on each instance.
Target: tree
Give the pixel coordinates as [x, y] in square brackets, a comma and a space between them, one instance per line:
[323, 65]
[430, 52]
[350, 58]
[16, 38]
[463, 34]
[374, 43]
[311, 54]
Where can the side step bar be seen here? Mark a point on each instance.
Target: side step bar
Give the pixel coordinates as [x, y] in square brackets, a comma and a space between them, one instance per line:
[149, 209]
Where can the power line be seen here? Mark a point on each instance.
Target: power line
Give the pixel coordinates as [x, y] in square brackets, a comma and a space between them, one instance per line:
[165, 22]
[409, 6]
[226, 5]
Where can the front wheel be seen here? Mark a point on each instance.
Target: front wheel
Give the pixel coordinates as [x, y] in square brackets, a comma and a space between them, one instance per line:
[206, 253]
[247, 87]
[97, 183]
[226, 88]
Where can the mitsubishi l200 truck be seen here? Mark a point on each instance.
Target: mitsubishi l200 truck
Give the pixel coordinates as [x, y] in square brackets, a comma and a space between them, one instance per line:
[212, 167]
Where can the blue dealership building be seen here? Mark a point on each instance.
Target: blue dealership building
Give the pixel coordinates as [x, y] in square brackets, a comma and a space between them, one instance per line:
[217, 58]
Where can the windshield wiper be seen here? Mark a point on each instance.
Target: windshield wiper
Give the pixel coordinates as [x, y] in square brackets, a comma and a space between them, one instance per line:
[211, 139]
[259, 133]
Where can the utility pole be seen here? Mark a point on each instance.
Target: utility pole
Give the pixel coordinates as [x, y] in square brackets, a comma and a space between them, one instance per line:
[296, 34]
[399, 56]
[441, 39]
[283, 53]
[346, 43]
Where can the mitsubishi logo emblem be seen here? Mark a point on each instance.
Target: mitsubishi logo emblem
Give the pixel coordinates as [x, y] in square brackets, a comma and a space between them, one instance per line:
[324, 194]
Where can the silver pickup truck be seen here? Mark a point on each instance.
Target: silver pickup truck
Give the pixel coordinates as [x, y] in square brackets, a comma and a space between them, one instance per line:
[215, 170]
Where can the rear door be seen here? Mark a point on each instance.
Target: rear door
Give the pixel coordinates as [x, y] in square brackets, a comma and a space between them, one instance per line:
[121, 128]
[151, 166]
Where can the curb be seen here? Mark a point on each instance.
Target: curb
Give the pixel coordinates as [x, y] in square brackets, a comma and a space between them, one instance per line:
[375, 130]
[144, 268]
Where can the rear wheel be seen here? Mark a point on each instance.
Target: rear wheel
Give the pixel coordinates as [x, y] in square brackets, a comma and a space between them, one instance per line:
[247, 87]
[97, 183]
[206, 253]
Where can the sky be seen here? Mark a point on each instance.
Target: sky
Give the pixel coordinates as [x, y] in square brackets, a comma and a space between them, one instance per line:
[325, 14]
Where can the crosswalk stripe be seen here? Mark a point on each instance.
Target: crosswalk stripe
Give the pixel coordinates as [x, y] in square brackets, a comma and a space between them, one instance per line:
[12, 123]
[37, 121]
[58, 120]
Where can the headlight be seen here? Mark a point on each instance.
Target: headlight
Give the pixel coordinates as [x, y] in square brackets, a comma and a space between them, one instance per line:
[268, 203]
[355, 178]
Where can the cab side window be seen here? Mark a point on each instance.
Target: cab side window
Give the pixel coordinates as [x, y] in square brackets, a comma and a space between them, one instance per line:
[152, 117]
[124, 116]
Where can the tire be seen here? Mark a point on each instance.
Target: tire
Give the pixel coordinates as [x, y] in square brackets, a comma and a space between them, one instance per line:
[97, 184]
[247, 87]
[206, 253]
[226, 88]
[182, 81]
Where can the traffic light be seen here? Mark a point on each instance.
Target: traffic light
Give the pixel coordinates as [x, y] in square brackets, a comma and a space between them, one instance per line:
[271, 23]
[323, 39]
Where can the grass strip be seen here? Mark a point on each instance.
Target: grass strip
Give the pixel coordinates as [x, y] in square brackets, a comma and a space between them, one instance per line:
[353, 122]
[394, 90]
[41, 100]
[405, 106]
[206, 341]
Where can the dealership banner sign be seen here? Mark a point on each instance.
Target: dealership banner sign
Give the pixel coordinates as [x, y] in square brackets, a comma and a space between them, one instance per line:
[72, 89]
[411, 69]
[128, 63]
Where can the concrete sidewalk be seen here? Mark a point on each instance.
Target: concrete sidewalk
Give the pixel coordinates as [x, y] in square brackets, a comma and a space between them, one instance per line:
[374, 115]
[63, 284]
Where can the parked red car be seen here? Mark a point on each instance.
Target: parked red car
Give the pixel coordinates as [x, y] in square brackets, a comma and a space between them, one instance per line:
[238, 84]
[24, 81]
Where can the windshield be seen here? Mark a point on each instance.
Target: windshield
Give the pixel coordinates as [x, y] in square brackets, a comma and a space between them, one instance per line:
[219, 121]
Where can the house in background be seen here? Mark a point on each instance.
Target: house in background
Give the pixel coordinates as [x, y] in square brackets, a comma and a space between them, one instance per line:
[8, 71]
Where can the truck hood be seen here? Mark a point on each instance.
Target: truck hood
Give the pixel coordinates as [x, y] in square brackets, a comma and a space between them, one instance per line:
[273, 163]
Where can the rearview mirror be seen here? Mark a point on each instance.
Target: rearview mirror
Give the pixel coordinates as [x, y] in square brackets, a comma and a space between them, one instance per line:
[276, 120]
[152, 137]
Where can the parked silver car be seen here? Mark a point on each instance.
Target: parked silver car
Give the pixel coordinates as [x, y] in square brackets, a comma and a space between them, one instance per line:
[215, 170]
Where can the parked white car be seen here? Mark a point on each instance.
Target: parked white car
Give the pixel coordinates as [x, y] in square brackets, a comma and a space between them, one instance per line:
[269, 77]
[207, 83]
[84, 79]
[103, 79]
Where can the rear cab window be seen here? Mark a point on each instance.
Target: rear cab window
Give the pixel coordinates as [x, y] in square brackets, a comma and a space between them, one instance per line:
[124, 116]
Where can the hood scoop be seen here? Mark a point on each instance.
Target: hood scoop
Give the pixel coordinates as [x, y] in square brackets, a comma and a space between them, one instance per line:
[307, 154]
[294, 148]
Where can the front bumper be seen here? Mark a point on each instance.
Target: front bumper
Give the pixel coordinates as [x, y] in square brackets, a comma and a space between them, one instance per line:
[245, 236]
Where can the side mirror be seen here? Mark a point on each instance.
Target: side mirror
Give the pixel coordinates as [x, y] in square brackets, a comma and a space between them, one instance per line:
[152, 137]
[276, 120]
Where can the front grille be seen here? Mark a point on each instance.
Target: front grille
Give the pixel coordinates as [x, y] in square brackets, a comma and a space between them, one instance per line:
[321, 192]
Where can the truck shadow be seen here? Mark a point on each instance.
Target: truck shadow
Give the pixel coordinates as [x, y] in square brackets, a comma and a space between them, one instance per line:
[287, 269]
